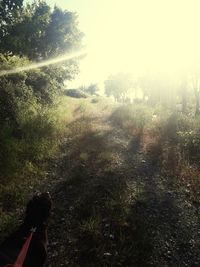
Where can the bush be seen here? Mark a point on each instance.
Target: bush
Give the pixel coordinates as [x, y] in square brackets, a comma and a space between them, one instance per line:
[75, 93]
[189, 142]
[31, 124]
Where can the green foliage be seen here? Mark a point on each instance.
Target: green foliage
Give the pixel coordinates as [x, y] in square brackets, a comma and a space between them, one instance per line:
[32, 117]
[40, 32]
[186, 122]
[189, 142]
[8, 222]
[10, 11]
[36, 140]
[91, 226]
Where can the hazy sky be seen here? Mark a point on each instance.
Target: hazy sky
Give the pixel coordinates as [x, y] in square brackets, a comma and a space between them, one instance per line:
[136, 35]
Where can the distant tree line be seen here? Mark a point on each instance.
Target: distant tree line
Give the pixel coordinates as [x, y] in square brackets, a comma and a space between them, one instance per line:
[157, 89]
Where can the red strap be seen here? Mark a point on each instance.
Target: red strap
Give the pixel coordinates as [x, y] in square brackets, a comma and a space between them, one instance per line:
[22, 255]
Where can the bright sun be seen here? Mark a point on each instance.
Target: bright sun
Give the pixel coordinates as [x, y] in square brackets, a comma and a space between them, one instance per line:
[141, 35]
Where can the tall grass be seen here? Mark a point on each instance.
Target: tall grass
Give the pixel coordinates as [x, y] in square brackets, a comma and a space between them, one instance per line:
[132, 117]
[25, 158]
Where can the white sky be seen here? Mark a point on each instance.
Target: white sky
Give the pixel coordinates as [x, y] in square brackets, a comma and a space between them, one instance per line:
[136, 36]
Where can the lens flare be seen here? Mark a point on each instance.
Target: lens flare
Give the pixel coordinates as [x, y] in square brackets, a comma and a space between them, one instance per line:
[47, 62]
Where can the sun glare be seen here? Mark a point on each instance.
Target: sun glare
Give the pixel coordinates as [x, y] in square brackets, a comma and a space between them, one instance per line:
[135, 36]
[138, 36]
[68, 56]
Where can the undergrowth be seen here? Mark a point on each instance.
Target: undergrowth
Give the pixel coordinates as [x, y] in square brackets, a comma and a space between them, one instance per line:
[25, 158]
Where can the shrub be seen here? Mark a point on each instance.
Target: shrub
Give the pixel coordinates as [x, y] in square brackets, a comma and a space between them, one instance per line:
[75, 93]
[32, 119]
[189, 142]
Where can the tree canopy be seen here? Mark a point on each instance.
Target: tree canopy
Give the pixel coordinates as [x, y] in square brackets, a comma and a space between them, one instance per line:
[118, 85]
[37, 31]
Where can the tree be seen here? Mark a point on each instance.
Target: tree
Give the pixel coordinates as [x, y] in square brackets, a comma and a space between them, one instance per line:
[118, 86]
[34, 32]
[10, 11]
[41, 33]
[158, 88]
[38, 32]
[29, 123]
[91, 89]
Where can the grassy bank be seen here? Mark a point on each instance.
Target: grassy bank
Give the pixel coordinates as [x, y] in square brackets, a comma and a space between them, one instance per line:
[25, 160]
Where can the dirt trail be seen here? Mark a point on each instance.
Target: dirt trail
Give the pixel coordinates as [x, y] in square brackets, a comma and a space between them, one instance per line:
[115, 206]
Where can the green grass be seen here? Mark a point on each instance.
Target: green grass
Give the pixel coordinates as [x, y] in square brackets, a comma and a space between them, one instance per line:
[25, 160]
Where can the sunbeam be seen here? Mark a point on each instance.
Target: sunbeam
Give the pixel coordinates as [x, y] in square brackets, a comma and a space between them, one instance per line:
[59, 59]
